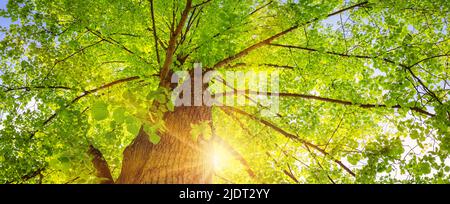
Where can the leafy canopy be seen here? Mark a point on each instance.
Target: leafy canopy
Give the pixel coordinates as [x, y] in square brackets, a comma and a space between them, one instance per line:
[363, 86]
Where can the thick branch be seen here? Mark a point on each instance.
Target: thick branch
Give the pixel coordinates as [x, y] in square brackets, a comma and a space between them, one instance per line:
[264, 65]
[84, 94]
[272, 38]
[253, 47]
[289, 135]
[428, 58]
[329, 100]
[100, 165]
[29, 88]
[154, 31]
[172, 43]
[89, 92]
[404, 66]
[29, 175]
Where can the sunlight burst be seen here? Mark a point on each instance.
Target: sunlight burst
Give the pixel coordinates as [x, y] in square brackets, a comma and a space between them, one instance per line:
[220, 158]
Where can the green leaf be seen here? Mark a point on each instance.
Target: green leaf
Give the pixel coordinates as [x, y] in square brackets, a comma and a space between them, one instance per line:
[63, 159]
[447, 169]
[100, 111]
[161, 98]
[152, 95]
[159, 95]
[170, 106]
[152, 134]
[119, 114]
[414, 134]
[351, 78]
[424, 168]
[201, 129]
[154, 138]
[133, 125]
[354, 159]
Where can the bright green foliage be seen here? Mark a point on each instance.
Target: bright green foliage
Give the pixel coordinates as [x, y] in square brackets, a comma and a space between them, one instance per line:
[151, 132]
[202, 129]
[374, 84]
[100, 111]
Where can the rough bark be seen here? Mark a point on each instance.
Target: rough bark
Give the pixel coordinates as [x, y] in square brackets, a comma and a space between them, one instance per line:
[101, 166]
[177, 159]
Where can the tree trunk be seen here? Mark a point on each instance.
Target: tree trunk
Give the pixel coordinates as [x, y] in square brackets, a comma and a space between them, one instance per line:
[177, 159]
[101, 166]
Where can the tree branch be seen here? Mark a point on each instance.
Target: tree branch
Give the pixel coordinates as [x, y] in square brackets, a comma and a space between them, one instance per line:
[323, 99]
[265, 64]
[201, 4]
[154, 31]
[320, 165]
[261, 7]
[84, 94]
[288, 135]
[287, 173]
[70, 56]
[29, 175]
[227, 29]
[172, 44]
[29, 88]
[432, 94]
[406, 67]
[428, 58]
[101, 166]
[114, 42]
[272, 38]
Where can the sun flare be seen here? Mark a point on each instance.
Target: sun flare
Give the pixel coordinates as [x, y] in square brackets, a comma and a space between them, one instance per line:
[220, 158]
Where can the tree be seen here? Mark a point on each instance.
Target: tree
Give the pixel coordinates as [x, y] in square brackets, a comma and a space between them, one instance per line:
[86, 92]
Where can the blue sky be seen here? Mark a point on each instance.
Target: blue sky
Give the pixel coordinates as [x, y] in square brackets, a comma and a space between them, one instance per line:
[4, 21]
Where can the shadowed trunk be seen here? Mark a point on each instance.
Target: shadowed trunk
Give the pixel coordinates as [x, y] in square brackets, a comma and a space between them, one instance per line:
[102, 169]
[177, 159]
